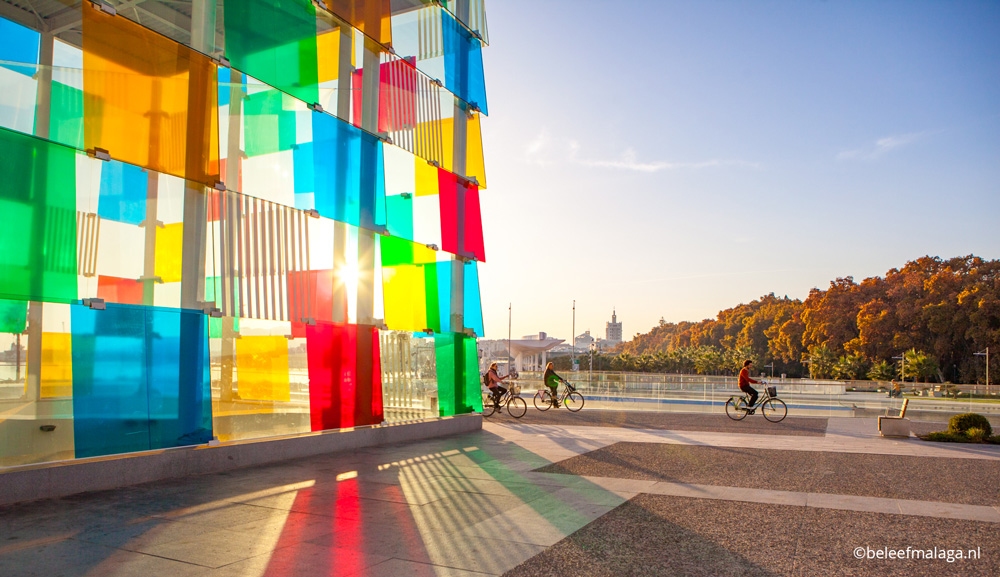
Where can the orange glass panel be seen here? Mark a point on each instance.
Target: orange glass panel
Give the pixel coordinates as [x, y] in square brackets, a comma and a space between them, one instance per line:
[148, 100]
[368, 16]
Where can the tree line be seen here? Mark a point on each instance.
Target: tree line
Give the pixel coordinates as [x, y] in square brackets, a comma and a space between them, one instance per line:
[936, 313]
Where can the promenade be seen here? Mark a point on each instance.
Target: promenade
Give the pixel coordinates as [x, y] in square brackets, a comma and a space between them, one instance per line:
[595, 493]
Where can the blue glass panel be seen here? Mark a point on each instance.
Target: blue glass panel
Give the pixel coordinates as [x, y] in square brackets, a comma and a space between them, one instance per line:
[473, 307]
[381, 219]
[110, 401]
[123, 193]
[463, 63]
[140, 379]
[18, 44]
[336, 157]
[180, 402]
[224, 80]
[305, 178]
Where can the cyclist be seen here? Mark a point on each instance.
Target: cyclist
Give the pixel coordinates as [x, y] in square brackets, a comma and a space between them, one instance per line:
[493, 380]
[552, 380]
[745, 382]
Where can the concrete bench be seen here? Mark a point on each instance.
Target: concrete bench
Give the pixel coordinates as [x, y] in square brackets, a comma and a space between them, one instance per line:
[895, 426]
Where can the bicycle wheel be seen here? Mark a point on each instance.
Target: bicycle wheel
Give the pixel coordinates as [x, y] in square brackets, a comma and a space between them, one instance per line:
[774, 410]
[543, 401]
[517, 407]
[488, 406]
[573, 401]
[734, 409]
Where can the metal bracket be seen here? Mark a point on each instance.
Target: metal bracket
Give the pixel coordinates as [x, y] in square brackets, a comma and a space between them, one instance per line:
[313, 213]
[429, 331]
[214, 312]
[220, 186]
[103, 7]
[156, 279]
[316, 107]
[407, 195]
[309, 321]
[95, 304]
[470, 333]
[224, 62]
[434, 163]
[432, 246]
[438, 82]
[100, 154]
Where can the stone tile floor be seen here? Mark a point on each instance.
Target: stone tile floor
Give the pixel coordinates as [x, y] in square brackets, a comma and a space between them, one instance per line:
[482, 503]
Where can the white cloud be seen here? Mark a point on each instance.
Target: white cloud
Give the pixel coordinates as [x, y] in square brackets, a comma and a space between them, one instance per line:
[881, 146]
[544, 150]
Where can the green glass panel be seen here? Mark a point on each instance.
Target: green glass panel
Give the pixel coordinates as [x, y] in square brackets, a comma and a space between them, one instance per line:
[269, 119]
[275, 42]
[66, 124]
[470, 378]
[13, 316]
[444, 353]
[212, 286]
[38, 217]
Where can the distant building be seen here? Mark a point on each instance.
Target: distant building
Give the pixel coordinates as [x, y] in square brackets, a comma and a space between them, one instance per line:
[583, 341]
[613, 330]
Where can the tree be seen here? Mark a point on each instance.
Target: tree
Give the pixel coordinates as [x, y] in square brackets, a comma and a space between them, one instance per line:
[852, 367]
[883, 371]
[920, 366]
[821, 362]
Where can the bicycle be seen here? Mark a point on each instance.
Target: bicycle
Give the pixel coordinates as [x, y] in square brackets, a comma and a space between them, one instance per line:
[511, 399]
[773, 408]
[570, 398]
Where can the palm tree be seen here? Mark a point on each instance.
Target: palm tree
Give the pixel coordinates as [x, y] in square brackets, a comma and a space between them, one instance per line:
[822, 361]
[920, 366]
[851, 367]
[882, 371]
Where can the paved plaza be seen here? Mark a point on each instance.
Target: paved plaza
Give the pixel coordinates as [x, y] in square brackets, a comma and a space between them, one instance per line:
[595, 493]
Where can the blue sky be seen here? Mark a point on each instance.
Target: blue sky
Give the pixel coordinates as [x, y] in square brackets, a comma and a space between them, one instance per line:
[672, 159]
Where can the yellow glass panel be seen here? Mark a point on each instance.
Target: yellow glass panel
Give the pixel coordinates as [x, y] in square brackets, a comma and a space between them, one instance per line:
[425, 177]
[148, 100]
[404, 298]
[448, 144]
[56, 373]
[169, 252]
[369, 16]
[262, 368]
[328, 46]
[474, 164]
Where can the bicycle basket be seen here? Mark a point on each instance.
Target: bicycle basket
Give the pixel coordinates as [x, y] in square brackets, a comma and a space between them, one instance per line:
[772, 391]
[515, 390]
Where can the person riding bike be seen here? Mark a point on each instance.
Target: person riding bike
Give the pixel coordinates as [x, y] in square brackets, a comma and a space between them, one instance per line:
[493, 380]
[552, 380]
[745, 382]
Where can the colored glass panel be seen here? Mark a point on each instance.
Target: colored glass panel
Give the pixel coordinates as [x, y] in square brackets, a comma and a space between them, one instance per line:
[180, 401]
[475, 165]
[147, 100]
[38, 217]
[66, 115]
[275, 41]
[454, 375]
[262, 368]
[18, 44]
[13, 316]
[404, 298]
[269, 120]
[399, 251]
[123, 193]
[56, 371]
[368, 16]
[342, 382]
[463, 62]
[425, 177]
[470, 377]
[169, 252]
[399, 213]
[472, 303]
[140, 379]
[119, 290]
[448, 198]
[472, 229]
[311, 298]
[213, 288]
[110, 389]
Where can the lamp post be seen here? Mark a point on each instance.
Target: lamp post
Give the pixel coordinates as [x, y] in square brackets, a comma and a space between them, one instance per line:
[986, 353]
[810, 363]
[902, 367]
[772, 368]
[590, 380]
[573, 336]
